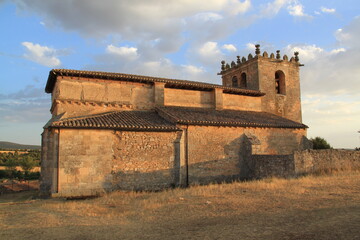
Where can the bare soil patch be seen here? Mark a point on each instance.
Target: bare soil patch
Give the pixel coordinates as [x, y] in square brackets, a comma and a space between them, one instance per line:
[12, 186]
[312, 207]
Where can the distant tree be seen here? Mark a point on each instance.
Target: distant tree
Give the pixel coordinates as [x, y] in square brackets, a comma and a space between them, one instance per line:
[320, 143]
[11, 164]
[35, 154]
[27, 163]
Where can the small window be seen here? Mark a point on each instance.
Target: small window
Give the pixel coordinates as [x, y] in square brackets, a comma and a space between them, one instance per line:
[280, 82]
[243, 83]
[234, 82]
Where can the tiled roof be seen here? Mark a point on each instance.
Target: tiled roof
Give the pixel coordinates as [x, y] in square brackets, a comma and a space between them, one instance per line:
[212, 117]
[170, 83]
[166, 118]
[124, 120]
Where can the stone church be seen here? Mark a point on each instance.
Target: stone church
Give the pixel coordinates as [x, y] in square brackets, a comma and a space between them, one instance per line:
[112, 131]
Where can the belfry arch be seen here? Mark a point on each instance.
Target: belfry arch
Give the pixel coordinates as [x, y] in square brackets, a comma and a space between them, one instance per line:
[243, 81]
[280, 82]
[235, 82]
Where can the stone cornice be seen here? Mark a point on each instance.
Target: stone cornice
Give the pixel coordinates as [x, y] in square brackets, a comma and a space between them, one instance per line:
[120, 105]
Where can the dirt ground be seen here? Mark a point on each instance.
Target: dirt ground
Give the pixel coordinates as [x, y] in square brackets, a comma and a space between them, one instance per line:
[11, 186]
[312, 207]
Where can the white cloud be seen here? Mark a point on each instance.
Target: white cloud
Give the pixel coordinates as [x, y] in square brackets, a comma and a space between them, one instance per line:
[332, 71]
[338, 50]
[209, 50]
[229, 47]
[328, 10]
[24, 112]
[129, 53]
[193, 70]
[342, 36]
[142, 22]
[334, 118]
[29, 104]
[207, 16]
[294, 7]
[237, 7]
[161, 67]
[296, 10]
[250, 46]
[41, 54]
[349, 35]
[306, 52]
[271, 9]
[129, 18]
[330, 83]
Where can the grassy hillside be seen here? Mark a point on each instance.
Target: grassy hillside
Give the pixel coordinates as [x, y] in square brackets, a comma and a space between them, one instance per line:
[9, 145]
[312, 207]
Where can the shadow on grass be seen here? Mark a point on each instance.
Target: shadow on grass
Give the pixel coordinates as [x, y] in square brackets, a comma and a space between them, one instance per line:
[19, 197]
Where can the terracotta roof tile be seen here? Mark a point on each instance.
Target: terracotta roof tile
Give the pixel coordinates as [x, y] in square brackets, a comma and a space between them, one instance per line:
[212, 117]
[166, 118]
[170, 83]
[124, 120]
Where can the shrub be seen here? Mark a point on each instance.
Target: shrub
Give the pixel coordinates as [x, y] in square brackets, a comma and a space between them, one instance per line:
[32, 176]
[320, 143]
[27, 163]
[11, 164]
[4, 174]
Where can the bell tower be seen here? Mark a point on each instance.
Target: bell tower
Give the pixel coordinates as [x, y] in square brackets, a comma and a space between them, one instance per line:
[276, 76]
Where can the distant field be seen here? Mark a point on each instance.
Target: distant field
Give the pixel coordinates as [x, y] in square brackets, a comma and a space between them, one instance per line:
[13, 146]
[18, 168]
[313, 207]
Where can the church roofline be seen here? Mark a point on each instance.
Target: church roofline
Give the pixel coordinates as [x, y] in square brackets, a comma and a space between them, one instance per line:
[166, 119]
[170, 83]
[228, 67]
[231, 118]
[118, 120]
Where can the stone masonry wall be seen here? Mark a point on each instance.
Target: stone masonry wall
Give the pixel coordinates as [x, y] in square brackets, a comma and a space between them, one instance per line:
[250, 68]
[264, 166]
[287, 105]
[188, 98]
[85, 162]
[145, 160]
[49, 155]
[100, 95]
[92, 162]
[82, 96]
[215, 153]
[239, 102]
[304, 162]
[260, 74]
[313, 161]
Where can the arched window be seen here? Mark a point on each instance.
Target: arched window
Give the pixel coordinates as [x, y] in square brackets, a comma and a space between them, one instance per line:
[243, 83]
[235, 82]
[280, 82]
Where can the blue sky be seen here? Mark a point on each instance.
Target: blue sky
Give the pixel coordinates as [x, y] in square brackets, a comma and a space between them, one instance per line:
[179, 39]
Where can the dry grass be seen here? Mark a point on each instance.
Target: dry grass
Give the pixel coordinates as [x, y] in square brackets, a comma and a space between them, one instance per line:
[312, 207]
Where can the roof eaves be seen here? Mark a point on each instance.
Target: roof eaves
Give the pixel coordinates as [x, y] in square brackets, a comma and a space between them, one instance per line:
[120, 76]
[240, 124]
